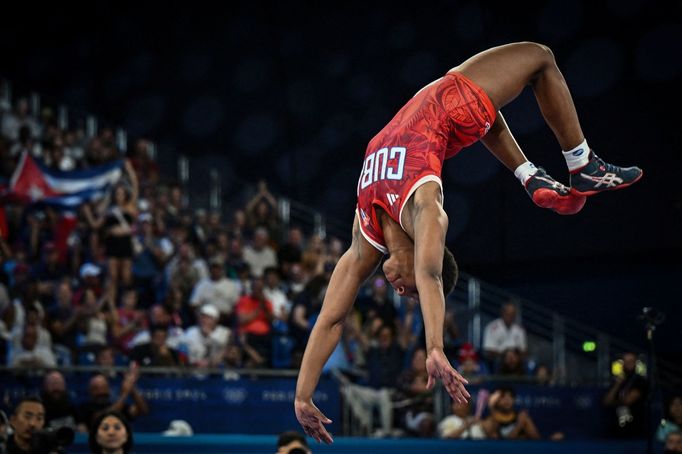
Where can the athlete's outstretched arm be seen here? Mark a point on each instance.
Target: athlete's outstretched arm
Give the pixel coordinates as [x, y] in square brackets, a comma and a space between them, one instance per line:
[355, 266]
[430, 226]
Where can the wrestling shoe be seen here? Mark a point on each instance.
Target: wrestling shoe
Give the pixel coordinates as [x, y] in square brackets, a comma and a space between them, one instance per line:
[546, 192]
[598, 176]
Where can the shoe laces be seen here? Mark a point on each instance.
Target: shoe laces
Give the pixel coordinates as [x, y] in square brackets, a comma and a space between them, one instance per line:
[605, 166]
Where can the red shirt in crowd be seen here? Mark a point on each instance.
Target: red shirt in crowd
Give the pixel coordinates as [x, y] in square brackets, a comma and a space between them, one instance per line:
[260, 325]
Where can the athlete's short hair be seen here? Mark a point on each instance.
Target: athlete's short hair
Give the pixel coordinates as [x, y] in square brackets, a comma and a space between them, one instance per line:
[450, 272]
[288, 437]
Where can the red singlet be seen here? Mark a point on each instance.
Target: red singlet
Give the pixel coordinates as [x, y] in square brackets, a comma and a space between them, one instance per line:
[442, 118]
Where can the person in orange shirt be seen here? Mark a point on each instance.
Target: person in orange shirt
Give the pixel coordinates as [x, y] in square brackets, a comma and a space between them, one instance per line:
[255, 315]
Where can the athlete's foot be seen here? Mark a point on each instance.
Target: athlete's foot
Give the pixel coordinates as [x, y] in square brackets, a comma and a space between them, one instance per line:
[546, 192]
[598, 176]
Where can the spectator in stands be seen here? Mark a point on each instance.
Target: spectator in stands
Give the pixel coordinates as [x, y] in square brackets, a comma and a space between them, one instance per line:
[292, 443]
[117, 223]
[100, 399]
[61, 317]
[34, 315]
[296, 280]
[543, 375]
[185, 269]
[461, 424]
[234, 357]
[627, 401]
[159, 316]
[48, 271]
[673, 442]
[90, 279]
[152, 251]
[505, 422]
[259, 255]
[20, 118]
[469, 364]
[130, 320]
[511, 364]
[111, 434]
[28, 353]
[255, 315]
[503, 333]
[207, 341]
[378, 303]
[95, 320]
[292, 250]
[105, 360]
[59, 410]
[672, 421]
[274, 292]
[156, 352]
[314, 256]
[418, 412]
[261, 211]
[384, 363]
[305, 308]
[217, 290]
[28, 417]
[146, 168]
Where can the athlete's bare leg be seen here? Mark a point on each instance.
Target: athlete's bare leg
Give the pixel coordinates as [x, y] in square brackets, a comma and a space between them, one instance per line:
[503, 72]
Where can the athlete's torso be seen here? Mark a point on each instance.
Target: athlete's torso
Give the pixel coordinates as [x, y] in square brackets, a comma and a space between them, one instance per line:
[441, 119]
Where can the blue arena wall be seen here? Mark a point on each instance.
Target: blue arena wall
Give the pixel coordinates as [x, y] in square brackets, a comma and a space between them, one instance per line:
[242, 444]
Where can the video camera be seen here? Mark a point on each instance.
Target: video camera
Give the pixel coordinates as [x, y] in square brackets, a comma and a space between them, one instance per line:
[52, 440]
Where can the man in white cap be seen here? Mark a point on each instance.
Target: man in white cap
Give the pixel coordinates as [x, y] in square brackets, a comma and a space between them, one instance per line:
[206, 342]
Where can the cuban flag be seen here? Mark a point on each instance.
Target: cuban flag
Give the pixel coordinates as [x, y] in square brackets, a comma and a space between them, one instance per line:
[33, 182]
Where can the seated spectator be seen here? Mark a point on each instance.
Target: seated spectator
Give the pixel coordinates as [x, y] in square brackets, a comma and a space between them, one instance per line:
[469, 364]
[292, 250]
[384, 364]
[672, 421]
[59, 410]
[511, 364]
[461, 424]
[233, 357]
[505, 422]
[33, 315]
[156, 352]
[206, 342]
[48, 271]
[378, 303]
[504, 333]
[100, 399]
[627, 401]
[28, 353]
[111, 434]
[159, 316]
[418, 413]
[62, 316]
[130, 320]
[259, 255]
[255, 315]
[217, 290]
[543, 375]
[90, 280]
[28, 417]
[673, 442]
[152, 250]
[292, 443]
[274, 292]
[306, 306]
[94, 321]
[185, 270]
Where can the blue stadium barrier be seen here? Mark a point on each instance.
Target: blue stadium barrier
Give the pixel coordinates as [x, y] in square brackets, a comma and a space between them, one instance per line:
[242, 444]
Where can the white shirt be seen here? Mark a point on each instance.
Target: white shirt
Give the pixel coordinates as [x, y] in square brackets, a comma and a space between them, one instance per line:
[223, 294]
[454, 422]
[205, 347]
[278, 299]
[40, 356]
[259, 260]
[497, 337]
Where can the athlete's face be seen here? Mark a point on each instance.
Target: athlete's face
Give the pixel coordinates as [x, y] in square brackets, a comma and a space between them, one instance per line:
[399, 271]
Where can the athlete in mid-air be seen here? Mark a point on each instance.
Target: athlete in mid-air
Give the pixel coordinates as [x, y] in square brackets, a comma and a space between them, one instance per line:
[400, 197]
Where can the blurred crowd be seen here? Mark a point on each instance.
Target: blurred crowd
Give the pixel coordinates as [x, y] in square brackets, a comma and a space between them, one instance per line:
[142, 278]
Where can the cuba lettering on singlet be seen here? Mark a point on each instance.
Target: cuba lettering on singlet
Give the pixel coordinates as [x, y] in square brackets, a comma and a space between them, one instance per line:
[376, 166]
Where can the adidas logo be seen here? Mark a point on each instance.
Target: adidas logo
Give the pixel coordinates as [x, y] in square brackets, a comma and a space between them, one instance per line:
[392, 198]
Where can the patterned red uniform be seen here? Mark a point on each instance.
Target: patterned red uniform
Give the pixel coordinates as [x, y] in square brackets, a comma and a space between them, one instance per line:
[442, 118]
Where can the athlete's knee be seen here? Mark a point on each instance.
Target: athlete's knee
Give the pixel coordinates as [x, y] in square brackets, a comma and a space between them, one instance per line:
[539, 52]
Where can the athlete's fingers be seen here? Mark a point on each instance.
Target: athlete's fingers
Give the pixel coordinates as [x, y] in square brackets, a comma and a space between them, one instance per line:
[431, 382]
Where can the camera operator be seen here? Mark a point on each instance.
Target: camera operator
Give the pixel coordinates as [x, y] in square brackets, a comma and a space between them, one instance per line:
[28, 417]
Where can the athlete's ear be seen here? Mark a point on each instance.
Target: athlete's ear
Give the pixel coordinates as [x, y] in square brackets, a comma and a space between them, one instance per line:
[401, 291]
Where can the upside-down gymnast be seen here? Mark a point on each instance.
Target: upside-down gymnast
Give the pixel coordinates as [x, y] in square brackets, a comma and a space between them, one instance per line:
[400, 197]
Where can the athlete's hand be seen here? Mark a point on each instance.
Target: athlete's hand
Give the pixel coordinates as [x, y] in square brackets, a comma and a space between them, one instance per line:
[311, 419]
[438, 367]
